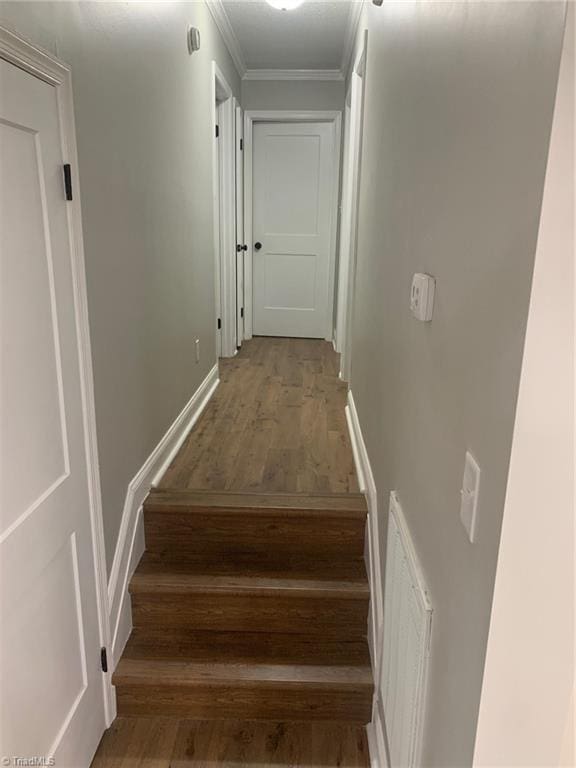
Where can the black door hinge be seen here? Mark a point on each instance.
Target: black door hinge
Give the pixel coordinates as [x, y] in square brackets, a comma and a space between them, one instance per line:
[68, 181]
[219, 323]
[103, 659]
[217, 131]
[242, 312]
[241, 144]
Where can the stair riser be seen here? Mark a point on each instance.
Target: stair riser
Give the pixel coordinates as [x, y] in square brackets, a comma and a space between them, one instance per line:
[262, 564]
[342, 618]
[246, 702]
[246, 647]
[179, 535]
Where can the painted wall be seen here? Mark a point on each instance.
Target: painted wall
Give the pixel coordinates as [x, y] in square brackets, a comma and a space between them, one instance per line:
[143, 121]
[458, 110]
[293, 94]
[529, 674]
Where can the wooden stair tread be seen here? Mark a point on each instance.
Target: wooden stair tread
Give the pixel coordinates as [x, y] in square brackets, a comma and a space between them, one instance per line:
[344, 505]
[185, 673]
[178, 582]
[245, 647]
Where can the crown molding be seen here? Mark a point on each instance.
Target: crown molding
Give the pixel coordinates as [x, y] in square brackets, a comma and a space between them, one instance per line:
[222, 21]
[230, 40]
[353, 21]
[293, 74]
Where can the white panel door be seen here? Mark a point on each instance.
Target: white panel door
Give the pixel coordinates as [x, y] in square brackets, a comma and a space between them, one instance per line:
[51, 683]
[292, 190]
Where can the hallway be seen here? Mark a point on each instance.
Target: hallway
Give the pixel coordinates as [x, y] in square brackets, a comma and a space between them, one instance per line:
[276, 424]
[286, 298]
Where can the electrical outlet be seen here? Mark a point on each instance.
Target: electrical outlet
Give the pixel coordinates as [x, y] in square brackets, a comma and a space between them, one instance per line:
[197, 350]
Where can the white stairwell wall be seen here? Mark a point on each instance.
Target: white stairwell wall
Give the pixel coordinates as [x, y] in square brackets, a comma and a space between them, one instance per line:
[131, 543]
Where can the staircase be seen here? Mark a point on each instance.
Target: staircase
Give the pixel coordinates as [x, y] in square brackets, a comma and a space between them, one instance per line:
[250, 606]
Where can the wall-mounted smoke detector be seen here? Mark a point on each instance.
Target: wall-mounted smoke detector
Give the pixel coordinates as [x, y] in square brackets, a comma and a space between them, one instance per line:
[285, 5]
[193, 37]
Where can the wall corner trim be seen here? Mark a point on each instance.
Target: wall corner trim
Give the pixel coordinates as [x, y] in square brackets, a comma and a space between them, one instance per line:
[130, 546]
[367, 485]
[377, 739]
[222, 21]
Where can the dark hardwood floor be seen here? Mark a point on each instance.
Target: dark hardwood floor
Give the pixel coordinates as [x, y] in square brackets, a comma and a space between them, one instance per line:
[170, 743]
[275, 423]
[250, 604]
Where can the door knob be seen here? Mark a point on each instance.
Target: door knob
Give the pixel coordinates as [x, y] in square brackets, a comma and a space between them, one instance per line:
[258, 246]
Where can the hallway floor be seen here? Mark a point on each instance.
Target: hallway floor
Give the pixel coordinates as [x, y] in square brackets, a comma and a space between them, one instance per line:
[275, 423]
[158, 742]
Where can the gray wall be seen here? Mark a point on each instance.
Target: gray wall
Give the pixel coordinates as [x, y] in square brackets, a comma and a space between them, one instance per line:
[143, 121]
[458, 109]
[293, 94]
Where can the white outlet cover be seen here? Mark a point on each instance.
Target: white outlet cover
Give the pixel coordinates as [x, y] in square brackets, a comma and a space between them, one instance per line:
[469, 495]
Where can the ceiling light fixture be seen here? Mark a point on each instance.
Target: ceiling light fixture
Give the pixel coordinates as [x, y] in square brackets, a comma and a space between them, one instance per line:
[285, 5]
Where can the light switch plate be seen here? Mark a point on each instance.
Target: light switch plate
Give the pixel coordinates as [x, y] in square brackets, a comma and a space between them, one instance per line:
[469, 495]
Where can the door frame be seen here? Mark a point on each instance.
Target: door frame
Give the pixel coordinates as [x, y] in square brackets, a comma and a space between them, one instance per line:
[240, 240]
[288, 116]
[224, 207]
[46, 67]
[349, 208]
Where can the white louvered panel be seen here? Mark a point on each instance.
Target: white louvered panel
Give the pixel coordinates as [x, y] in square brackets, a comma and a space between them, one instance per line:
[407, 625]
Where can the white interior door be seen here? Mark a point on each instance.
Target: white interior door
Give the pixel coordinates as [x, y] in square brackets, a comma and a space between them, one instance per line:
[292, 204]
[240, 244]
[51, 681]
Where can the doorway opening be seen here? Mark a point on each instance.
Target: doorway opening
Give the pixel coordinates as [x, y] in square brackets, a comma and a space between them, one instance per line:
[349, 212]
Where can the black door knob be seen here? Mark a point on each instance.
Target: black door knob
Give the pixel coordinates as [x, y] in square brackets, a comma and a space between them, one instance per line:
[258, 246]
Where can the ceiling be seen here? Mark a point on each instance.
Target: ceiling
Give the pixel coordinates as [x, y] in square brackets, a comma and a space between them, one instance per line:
[314, 36]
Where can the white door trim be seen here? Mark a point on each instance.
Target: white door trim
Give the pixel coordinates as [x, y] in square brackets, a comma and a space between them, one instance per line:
[350, 200]
[240, 240]
[223, 179]
[43, 65]
[287, 116]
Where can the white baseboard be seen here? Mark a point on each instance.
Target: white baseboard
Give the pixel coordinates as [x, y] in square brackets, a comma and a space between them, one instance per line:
[374, 569]
[368, 487]
[361, 461]
[377, 740]
[130, 546]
